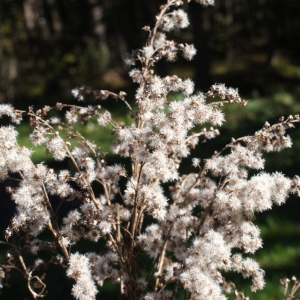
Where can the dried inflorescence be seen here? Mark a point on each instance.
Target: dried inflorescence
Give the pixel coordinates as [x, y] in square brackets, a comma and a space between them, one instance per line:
[195, 227]
[290, 293]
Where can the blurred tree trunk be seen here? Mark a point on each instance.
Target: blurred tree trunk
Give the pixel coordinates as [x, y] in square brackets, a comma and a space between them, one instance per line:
[30, 14]
[230, 51]
[277, 24]
[200, 28]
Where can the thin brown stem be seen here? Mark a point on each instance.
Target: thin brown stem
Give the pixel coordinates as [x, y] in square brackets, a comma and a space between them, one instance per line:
[56, 231]
[122, 262]
[162, 257]
[87, 185]
[29, 278]
[158, 258]
[135, 212]
[209, 207]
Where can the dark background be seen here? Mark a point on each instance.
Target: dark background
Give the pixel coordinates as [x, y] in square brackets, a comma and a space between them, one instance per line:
[49, 47]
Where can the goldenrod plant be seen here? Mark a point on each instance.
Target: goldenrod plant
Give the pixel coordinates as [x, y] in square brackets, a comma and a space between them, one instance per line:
[193, 228]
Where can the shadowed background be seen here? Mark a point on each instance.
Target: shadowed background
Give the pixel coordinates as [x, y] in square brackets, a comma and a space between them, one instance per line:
[49, 47]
